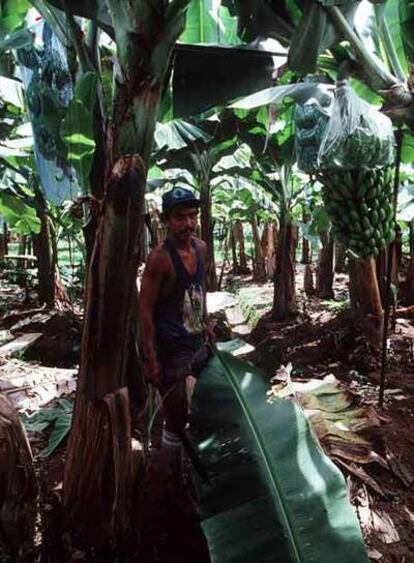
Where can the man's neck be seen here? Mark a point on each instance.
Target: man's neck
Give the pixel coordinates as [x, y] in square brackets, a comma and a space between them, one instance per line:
[185, 245]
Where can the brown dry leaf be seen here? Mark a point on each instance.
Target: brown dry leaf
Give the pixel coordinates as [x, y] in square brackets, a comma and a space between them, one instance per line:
[399, 468]
[363, 475]
[374, 555]
[382, 525]
[358, 453]
[375, 521]
[336, 422]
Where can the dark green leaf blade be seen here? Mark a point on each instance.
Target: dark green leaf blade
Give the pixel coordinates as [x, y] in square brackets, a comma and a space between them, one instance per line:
[266, 455]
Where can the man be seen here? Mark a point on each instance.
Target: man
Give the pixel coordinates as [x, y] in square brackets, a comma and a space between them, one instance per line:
[173, 315]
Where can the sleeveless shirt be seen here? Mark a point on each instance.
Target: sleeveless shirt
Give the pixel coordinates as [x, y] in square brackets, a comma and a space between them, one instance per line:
[178, 318]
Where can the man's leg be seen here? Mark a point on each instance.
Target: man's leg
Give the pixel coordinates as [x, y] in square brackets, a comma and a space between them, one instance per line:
[175, 407]
[175, 401]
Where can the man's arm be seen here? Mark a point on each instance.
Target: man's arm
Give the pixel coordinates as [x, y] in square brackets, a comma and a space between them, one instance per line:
[203, 248]
[150, 289]
[209, 326]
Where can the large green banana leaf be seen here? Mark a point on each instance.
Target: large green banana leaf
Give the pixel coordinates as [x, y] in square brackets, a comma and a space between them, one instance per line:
[274, 495]
[208, 22]
[406, 12]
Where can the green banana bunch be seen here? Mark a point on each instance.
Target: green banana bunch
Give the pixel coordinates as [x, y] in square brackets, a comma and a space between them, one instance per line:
[359, 203]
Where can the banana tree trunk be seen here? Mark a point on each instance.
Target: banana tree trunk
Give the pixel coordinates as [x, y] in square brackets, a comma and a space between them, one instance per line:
[22, 245]
[381, 270]
[4, 240]
[269, 245]
[305, 241]
[370, 308]
[409, 282]
[18, 491]
[325, 270]
[235, 265]
[2, 247]
[156, 228]
[50, 288]
[225, 249]
[308, 281]
[284, 298]
[340, 257]
[100, 479]
[239, 238]
[259, 267]
[207, 234]
[98, 510]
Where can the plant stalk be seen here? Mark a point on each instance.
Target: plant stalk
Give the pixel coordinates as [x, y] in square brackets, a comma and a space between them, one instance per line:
[369, 61]
[399, 138]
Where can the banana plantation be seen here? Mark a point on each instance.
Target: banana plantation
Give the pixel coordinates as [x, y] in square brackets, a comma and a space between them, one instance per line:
[206, 281]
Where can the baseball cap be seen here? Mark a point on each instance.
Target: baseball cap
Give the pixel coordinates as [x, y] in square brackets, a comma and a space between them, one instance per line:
[178, 196]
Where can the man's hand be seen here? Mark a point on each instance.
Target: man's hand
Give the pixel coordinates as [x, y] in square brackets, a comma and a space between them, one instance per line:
[209, 335]
[152, 371]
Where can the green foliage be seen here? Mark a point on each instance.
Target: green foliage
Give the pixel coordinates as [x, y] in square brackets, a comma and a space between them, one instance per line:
[334, 306]
[290, 499]
[21, 217]
[59, 417]
[17, 40]
[406, 14]
[407, 152]
[178, 134]
[208, 22]
[12, 13]
[77, 128]
[319, 222]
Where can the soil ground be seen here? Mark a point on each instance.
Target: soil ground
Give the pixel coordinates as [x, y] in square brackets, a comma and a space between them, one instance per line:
[320, 341]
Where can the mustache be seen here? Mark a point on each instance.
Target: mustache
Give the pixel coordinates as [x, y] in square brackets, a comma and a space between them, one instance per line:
[185, 231]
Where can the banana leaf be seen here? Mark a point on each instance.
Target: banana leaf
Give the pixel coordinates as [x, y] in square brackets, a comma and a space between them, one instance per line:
[206, 76]
[208, 22]
[274, 495]
[406, 13]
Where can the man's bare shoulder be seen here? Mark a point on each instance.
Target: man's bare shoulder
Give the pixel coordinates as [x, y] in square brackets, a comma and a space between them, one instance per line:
[200, 244]
[158, 261]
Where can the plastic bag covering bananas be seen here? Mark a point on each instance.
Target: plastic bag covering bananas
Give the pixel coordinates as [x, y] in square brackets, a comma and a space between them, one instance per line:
[47, 81]
[311, 120]
[354, 163]
[357, 136]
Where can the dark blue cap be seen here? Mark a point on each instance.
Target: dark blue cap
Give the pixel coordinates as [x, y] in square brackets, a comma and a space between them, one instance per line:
[178, 196]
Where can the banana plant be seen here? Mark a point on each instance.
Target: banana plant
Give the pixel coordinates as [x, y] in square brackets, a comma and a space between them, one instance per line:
[238, 200]
[291, 501]
[272, 168]
[99, 513]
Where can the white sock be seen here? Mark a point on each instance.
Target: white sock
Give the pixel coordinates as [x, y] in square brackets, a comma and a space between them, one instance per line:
[173, 448]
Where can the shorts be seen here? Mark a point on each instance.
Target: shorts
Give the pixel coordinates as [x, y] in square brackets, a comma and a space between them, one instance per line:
[183, 362]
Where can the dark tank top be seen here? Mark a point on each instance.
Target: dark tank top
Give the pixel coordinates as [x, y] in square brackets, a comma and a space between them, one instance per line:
[178, 318]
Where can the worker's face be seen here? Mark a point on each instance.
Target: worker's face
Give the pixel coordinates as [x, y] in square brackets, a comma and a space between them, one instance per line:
[182, 222]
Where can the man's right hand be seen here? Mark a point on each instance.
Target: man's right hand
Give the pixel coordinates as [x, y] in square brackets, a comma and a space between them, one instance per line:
[152, 371]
